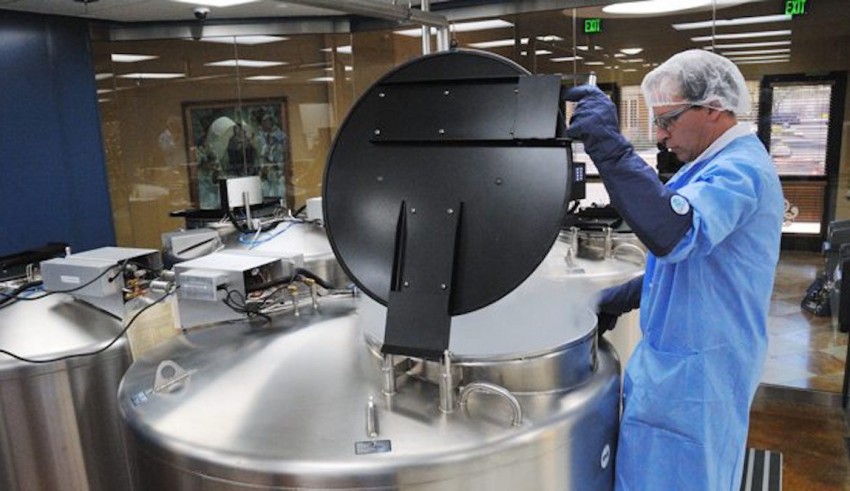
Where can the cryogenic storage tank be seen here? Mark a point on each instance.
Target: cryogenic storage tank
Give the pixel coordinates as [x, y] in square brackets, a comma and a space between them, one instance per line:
[302, 404]
[460, 366]
[61, 427]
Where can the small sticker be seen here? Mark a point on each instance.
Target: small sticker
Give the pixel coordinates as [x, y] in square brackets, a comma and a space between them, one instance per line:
[73, 280]
[680, 205]
[139, 399]
[605, 458]
[372, 446]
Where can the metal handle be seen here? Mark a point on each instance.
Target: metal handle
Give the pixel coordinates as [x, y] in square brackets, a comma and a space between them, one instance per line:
[494, 389]
[371, 419]
[168, 375]
[631, 247]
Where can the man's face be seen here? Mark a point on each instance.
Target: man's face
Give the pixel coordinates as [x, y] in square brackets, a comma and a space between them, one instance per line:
[682, 129]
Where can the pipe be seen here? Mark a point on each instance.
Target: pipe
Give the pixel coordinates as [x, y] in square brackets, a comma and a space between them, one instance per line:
[425, 6]
[447, 397]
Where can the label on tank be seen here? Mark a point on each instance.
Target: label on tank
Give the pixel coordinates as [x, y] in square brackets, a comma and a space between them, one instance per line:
[372, 446]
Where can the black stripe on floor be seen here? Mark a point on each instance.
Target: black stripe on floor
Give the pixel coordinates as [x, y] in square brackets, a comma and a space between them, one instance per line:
[762, 470]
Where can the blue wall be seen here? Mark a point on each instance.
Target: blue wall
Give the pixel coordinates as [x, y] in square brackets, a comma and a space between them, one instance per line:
[53, 184]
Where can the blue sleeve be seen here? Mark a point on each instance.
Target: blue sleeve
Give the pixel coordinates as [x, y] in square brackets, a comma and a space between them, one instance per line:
[722, 198]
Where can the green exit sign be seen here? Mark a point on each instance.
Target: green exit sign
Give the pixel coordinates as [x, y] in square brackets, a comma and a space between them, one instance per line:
[594, 25]
[795, 7]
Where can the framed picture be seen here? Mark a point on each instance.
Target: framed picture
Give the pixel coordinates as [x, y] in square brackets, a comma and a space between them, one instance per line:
[232, 139]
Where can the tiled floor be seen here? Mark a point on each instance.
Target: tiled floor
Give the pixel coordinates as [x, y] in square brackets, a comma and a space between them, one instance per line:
[797, 410]
[804, 351]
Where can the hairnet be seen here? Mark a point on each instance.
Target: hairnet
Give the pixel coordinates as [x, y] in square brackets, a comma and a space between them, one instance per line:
[697, 77]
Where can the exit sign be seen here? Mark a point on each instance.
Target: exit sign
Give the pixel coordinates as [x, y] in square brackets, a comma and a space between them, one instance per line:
[595, 25]
[795, 7]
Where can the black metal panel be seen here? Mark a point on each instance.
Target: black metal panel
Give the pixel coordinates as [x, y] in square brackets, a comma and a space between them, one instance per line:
[513, 192]
[537, 107]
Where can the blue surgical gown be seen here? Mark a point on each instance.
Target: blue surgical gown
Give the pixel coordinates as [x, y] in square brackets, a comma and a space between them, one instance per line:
[690, 381]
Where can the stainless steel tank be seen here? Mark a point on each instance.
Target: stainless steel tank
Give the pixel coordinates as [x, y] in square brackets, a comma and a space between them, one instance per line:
[302, 404]
[61, 428]
[526, 397]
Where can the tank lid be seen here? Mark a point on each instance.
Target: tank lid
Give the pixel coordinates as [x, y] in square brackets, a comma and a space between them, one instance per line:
[445, 188]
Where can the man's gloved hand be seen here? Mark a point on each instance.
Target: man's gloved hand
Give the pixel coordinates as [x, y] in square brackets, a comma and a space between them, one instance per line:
[658, 216]
[616, 301]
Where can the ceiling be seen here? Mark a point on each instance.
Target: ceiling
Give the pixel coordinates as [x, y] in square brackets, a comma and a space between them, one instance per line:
[160, 10]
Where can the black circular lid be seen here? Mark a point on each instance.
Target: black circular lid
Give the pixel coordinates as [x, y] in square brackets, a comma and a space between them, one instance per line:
[444, 165]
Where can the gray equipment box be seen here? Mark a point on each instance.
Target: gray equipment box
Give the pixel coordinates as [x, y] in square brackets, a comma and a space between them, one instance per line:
[96, 276]
[204, 284]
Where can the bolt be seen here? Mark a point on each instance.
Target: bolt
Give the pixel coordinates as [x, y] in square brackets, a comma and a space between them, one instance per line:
[446, 92]
[382, 94]
[441, 131]
[380, 178]
[498, 181]
[442, 286]
[406, 284]
[450, 211]
[413, 210]
[377, 132]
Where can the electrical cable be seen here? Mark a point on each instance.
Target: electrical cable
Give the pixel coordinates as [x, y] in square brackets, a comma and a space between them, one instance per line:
[257, 241]
[13, 295]
[99, 350]
[242, 309]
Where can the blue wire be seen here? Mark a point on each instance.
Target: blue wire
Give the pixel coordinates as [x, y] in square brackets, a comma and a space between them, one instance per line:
[246, 238]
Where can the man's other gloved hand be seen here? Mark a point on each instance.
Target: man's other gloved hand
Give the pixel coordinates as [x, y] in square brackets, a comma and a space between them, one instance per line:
[616, 301]
[605, 322]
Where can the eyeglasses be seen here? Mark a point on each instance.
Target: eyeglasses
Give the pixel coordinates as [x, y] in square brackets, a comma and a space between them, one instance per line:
[666, 120]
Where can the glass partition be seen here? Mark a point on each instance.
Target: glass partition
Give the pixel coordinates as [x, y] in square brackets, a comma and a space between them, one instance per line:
[199, 109]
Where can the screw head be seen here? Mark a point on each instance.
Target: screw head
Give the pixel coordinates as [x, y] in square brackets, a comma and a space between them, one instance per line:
[377, 132]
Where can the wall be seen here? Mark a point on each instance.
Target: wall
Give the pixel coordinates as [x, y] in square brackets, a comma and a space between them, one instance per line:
[52, 176]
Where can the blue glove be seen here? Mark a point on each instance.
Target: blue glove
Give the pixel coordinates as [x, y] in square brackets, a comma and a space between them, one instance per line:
[616, 301]
[658, 216]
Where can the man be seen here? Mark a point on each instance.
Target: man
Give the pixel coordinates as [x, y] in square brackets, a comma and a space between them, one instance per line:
[713, 232]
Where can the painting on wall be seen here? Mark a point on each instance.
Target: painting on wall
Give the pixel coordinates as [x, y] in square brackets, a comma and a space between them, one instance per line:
[231, 139]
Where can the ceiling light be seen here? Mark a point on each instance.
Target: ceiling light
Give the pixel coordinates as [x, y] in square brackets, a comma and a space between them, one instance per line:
[619, 55]
[102, 76]
[761, 62]
[249, 40]
[123, 58]
[756, 52]
[629, 69]
[565, 58]
[594, 63]
[542, 52]
[741, 21]
[246, 63]
[653, 6]
[582, 48]
[764, 44]
[633, 60]
[266, 78]
[550, 38]
[322, 79]
[478, 25]
[151, 76]
[753, 58]
[743, 35]
[499, 43]
[631, 51]
[343, 50]
[216, 3]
